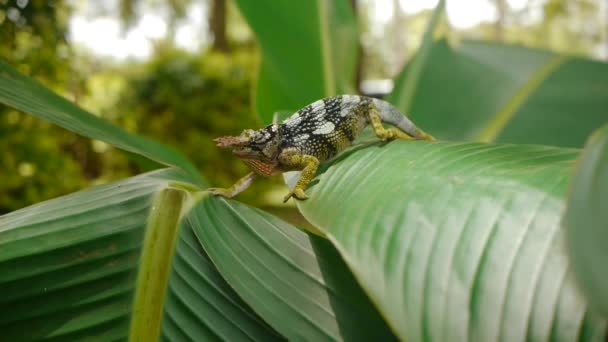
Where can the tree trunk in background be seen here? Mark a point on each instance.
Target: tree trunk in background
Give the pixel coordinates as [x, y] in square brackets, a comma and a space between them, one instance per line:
[217, 24]
[399, 39]
[500, 20]
[606, 30]
[359, 66]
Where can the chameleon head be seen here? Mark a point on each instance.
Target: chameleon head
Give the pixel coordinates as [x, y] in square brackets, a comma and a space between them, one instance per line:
[259, 145]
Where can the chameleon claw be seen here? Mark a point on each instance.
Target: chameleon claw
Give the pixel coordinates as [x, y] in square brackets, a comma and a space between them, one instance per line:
[296, 193]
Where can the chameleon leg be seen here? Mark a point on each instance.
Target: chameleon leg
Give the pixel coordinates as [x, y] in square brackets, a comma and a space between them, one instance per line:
[386, 133]
[236, 188]
[308, 164]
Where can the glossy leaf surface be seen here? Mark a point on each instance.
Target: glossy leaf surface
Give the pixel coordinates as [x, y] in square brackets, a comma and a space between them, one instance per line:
[296, 282]
[457, 241]
[68, 270]
[200, 305]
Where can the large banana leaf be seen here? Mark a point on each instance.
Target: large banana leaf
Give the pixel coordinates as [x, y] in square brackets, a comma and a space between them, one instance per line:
[68, 269]
[489, 92]
[309, 51]
[586, 220]
[296, 282]
[110, 263]
[25, 94]
[457, 241]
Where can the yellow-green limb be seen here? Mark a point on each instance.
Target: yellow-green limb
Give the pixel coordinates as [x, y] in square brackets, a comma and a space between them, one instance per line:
[383, 133]
[502, 118]
[155, 265]
[236, 188]
[308, 164]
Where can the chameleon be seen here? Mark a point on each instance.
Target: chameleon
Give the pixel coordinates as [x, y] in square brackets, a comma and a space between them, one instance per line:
[312, 135]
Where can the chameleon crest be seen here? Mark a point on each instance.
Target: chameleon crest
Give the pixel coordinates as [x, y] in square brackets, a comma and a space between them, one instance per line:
[312, 135]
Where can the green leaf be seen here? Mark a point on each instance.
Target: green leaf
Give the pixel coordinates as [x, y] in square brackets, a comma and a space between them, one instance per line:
[68, 268]
[457, 241]
[490, 92]
[200, 305]
[66, 264]
[309, 51]
[586, 220]
[27, 95]
[296, 282]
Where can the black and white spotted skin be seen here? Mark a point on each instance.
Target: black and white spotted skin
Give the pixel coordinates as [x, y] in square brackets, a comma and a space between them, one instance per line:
[325, 127]
[322, 129]
[312, 135]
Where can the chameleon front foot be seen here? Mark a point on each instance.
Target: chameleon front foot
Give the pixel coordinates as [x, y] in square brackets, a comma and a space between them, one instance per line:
[235, 189]
[297, 193]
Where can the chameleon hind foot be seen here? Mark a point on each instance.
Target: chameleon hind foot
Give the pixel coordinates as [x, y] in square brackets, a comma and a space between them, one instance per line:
[296, 193]
[386, 134]
[392, 134]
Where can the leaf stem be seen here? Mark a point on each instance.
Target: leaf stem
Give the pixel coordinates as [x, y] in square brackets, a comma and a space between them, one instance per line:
[155, 265]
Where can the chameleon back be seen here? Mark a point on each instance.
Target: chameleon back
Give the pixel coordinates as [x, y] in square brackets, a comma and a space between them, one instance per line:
[326, 127]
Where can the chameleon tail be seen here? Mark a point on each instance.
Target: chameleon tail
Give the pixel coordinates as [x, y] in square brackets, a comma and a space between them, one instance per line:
[390, 114]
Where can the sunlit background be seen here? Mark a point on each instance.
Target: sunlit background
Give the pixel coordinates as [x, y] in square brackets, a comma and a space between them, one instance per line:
[392, 28]
[98, 27]
[181, 71]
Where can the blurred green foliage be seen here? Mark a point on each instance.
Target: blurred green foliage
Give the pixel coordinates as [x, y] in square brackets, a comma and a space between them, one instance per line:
[180, 98]
[176, 97]
[35, 152]
[33, 38]
[186, 100]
